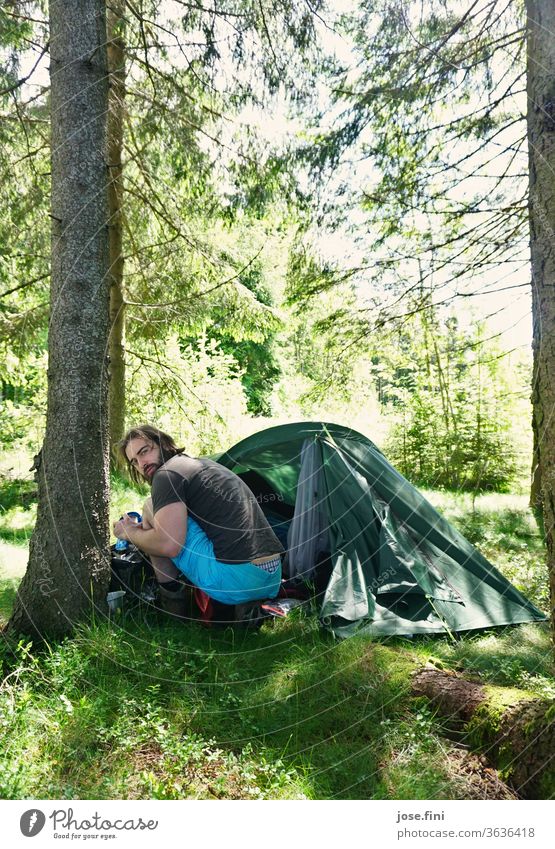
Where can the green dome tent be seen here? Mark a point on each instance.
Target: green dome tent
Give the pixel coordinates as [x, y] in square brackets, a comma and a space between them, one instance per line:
[395, 565]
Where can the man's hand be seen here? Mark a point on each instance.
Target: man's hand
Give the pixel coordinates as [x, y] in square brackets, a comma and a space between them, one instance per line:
[165, 539]
[122, 526]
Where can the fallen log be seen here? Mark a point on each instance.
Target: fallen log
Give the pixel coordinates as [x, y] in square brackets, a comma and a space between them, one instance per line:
[513, 728]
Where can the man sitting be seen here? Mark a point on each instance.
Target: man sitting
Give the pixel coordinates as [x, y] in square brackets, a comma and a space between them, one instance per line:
[201, 521]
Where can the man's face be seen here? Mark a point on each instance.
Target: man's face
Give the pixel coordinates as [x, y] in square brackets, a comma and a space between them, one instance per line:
[144, 456]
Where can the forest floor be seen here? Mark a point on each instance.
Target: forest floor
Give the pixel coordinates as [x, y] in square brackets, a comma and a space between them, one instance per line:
[143, 708]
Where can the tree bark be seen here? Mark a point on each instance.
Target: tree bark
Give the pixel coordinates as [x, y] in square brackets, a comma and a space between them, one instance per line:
[116, 65]
[515, 730]
[535, 476]
[541, 207]
[68, 562]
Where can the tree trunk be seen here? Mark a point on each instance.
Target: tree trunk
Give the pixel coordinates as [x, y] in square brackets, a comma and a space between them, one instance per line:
[536, 483]
[512, 728]
[541, 207]
[68, 564]
[116, 65]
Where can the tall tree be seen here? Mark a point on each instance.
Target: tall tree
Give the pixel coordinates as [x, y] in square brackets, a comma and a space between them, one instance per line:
[67, 564]
[115, 24]
[541, 206]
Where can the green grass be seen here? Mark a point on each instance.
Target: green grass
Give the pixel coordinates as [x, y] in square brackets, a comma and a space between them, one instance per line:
[148, 711]
[8, 589]
[143, 709]
[516, 656]
[17, 509]
[140, 708]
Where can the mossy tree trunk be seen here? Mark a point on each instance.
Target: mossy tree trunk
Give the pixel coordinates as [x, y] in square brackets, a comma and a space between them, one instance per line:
[515, 730]
[68, 565]
[541, 155]
[116, 65]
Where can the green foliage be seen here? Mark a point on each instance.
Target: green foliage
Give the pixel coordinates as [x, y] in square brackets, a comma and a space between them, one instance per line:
[429, 79]
[183, 165]
[24, 171]
[194, 394]
[421, 180]
[213, 277]
[252, 344]
[22, 398]
[456, 400]
[198, 262]
[24, 234]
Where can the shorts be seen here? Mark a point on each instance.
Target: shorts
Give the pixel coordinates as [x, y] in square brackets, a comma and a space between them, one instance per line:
[229, 583]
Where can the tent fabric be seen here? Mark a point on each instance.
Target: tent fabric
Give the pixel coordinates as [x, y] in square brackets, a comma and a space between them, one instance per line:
[308, 534]
[397, 566]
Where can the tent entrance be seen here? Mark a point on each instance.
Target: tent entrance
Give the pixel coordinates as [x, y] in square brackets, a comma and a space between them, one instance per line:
[303, 530]
[308, 541]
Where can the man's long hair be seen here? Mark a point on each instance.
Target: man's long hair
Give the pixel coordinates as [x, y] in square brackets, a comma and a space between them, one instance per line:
[165, 443]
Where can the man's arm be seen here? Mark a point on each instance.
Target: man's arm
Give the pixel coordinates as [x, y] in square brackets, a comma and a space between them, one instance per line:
[167, 536]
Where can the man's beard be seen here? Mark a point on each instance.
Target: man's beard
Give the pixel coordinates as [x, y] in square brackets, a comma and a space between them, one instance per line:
[152, 469]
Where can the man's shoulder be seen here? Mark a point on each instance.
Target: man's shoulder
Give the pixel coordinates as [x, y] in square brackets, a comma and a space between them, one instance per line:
[184, 476]
[166, 487]
[195, 470]
[182, 464]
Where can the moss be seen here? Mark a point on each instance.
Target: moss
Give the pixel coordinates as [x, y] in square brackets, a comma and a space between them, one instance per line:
[547, 784]
[503, 698]
[503, 726]
[485, 725]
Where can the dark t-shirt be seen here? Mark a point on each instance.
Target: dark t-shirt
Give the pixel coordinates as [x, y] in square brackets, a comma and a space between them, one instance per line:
[224, 507]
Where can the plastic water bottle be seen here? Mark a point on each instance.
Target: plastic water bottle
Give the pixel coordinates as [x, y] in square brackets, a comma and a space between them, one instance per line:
[123, 544]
